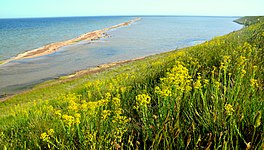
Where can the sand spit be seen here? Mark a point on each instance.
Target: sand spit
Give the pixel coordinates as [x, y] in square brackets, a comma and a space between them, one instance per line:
[53, 47]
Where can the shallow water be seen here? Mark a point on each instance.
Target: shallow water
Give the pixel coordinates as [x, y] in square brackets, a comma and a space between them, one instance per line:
[20, 35]
[150, 35]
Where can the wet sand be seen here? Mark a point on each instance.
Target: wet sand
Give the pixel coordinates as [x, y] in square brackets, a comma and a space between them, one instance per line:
[53, 47]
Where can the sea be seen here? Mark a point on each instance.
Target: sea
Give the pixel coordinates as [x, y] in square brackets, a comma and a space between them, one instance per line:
[151, 35]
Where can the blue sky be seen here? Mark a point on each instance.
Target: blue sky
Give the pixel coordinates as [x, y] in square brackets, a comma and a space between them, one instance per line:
[57, 8]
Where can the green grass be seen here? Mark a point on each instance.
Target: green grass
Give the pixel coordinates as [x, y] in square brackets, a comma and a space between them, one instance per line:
[249, 20]
[207, 96]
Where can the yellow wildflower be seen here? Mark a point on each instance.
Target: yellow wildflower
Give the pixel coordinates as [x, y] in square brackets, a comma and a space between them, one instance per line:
[177, 78]
[102, 102]
[77, 118]
[197, 84]
[229, 109]
[206, 81]
[84, 106]
[44, 136]
[105, 114]
[69, 120]
[217, 84]
[243, 72]
[116, 101]
[188, 88]
[254, 83]
[2, 135]
[222, 66]
[107, 95]
[120, 119]
[213, 71]
[77, 115]
[227, 59]
[241, 60]
[123, 89]
[50, 132]
[142, 100]
[58, 113]
[73, 106]
[165, 92]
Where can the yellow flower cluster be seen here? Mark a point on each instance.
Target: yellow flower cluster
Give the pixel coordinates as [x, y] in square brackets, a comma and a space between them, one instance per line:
[142, 100]
[58, 113]
[88, 107]
[243, 72]
[73, 106]
[197, 84]
[227, 59]
[119, 121]
[217, 84]
[206, 82]
[45, 136]
[68, 120]
[213, 72]
[165, 92]
[116, 101]
[229, 109]
[77, 118]
[241, 60]
[50, 132]
[254, 83]
[225, 63]
[247, 48]
[177, 79]
[105, 114]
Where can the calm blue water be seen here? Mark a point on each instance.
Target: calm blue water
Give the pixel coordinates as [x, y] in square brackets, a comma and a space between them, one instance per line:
[20, 35]
[151, 35]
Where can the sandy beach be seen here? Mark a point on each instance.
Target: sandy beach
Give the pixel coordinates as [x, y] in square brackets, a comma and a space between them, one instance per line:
[53, 47]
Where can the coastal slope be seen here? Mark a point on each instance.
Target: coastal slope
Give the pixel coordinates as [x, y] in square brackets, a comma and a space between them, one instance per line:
[209, 96]
[249, 20]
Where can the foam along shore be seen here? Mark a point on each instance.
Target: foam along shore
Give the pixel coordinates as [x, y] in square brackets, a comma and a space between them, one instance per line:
[53, 47]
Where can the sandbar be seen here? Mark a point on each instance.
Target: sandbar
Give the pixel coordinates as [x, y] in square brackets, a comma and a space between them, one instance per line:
[53, 47]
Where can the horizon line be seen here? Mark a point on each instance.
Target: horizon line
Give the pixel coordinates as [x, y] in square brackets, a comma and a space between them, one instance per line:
[124, 16]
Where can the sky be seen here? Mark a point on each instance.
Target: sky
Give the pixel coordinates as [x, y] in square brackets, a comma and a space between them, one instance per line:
[60, 8]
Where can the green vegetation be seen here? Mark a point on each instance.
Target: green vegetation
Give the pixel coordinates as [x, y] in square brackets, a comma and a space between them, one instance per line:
[249, 20]
[208, 96]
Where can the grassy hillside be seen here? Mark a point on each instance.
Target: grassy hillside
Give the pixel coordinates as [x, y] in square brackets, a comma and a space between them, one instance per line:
[208, 96]
[249, 20]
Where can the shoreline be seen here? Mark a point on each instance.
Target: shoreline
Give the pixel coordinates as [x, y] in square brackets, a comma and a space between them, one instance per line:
[74, 75]
[80, 73]
[53, 47]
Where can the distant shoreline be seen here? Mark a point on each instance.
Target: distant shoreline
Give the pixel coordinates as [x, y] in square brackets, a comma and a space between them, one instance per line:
[53, 47]
[138, 16]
